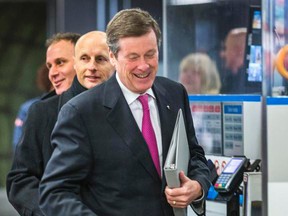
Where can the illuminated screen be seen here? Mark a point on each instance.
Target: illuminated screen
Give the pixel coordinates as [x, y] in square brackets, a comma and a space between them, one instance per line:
[256, 20]
[232, 166]
[254, 49]
[254, 68]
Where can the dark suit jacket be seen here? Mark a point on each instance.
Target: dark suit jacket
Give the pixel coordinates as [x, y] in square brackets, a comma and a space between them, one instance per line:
[33, 152]
[101, 164]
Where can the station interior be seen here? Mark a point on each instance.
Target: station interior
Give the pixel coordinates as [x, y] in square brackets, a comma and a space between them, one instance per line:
[241, 123]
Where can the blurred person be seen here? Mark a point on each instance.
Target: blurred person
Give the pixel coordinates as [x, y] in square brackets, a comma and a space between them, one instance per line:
[199, 74]
[33, 150]
[45, 86]
[233, 56]
[101, 163]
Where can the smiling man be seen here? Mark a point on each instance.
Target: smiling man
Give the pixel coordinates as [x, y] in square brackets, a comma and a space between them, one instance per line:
[92, 63]
[33, 152]
[103, 162]
[59, 60]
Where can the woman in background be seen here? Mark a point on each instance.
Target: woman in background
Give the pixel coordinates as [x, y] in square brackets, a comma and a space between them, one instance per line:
[199, 74]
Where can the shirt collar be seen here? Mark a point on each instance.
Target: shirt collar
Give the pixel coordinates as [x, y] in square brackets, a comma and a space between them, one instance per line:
[128, 94]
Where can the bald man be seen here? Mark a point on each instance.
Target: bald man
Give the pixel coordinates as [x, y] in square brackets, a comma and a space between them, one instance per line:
[92, 65]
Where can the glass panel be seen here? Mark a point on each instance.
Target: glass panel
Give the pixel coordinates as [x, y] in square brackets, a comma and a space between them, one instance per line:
[275, 21]
[202, 27]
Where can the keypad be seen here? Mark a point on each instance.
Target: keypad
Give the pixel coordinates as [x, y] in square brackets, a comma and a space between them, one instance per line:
[222, 180]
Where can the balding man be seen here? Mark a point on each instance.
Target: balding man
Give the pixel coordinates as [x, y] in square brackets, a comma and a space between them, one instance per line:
[92, 65]
[233, 56]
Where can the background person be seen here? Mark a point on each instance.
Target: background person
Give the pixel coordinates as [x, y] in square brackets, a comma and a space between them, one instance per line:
[101, 163]
[92, 67]
[44, 85]
[60, 61]
[233, 56]
[33, 150]
[199, 75]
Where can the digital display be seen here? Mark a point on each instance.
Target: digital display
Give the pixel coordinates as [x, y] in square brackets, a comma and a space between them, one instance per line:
[254, 67]
[232, 166]
[256, 20]
[254, 56]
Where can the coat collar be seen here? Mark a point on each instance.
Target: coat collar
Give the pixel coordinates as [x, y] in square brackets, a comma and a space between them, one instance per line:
[75, 89]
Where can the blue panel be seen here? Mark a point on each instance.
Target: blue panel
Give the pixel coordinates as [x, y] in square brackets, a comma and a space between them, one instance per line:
[222, 98]
[113, 8]
[101, 22]
[277, 101]
[233, 109]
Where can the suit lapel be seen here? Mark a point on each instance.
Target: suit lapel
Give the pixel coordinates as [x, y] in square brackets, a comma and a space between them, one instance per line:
[167, 113]
[122, 120]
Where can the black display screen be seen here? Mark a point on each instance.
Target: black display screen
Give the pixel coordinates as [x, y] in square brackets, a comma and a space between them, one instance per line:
[254, 49]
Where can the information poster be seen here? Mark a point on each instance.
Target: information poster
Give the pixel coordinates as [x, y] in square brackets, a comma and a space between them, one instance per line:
[207, 123]
[233, 128]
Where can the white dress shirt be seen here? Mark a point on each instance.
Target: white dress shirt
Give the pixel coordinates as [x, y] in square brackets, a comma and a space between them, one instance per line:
[136, 109]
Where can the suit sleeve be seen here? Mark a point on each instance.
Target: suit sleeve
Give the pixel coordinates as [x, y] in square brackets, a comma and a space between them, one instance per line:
[198, 169]
[68, 167]
[27, 167]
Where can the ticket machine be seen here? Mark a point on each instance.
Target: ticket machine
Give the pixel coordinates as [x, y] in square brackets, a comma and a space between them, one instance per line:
[228, 127]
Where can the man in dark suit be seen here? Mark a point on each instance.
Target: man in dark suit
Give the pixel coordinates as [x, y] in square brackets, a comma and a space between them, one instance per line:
[33, 150]
[92, 65]
[101, 163]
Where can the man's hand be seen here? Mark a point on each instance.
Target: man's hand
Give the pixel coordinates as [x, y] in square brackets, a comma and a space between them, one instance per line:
[189, 191]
